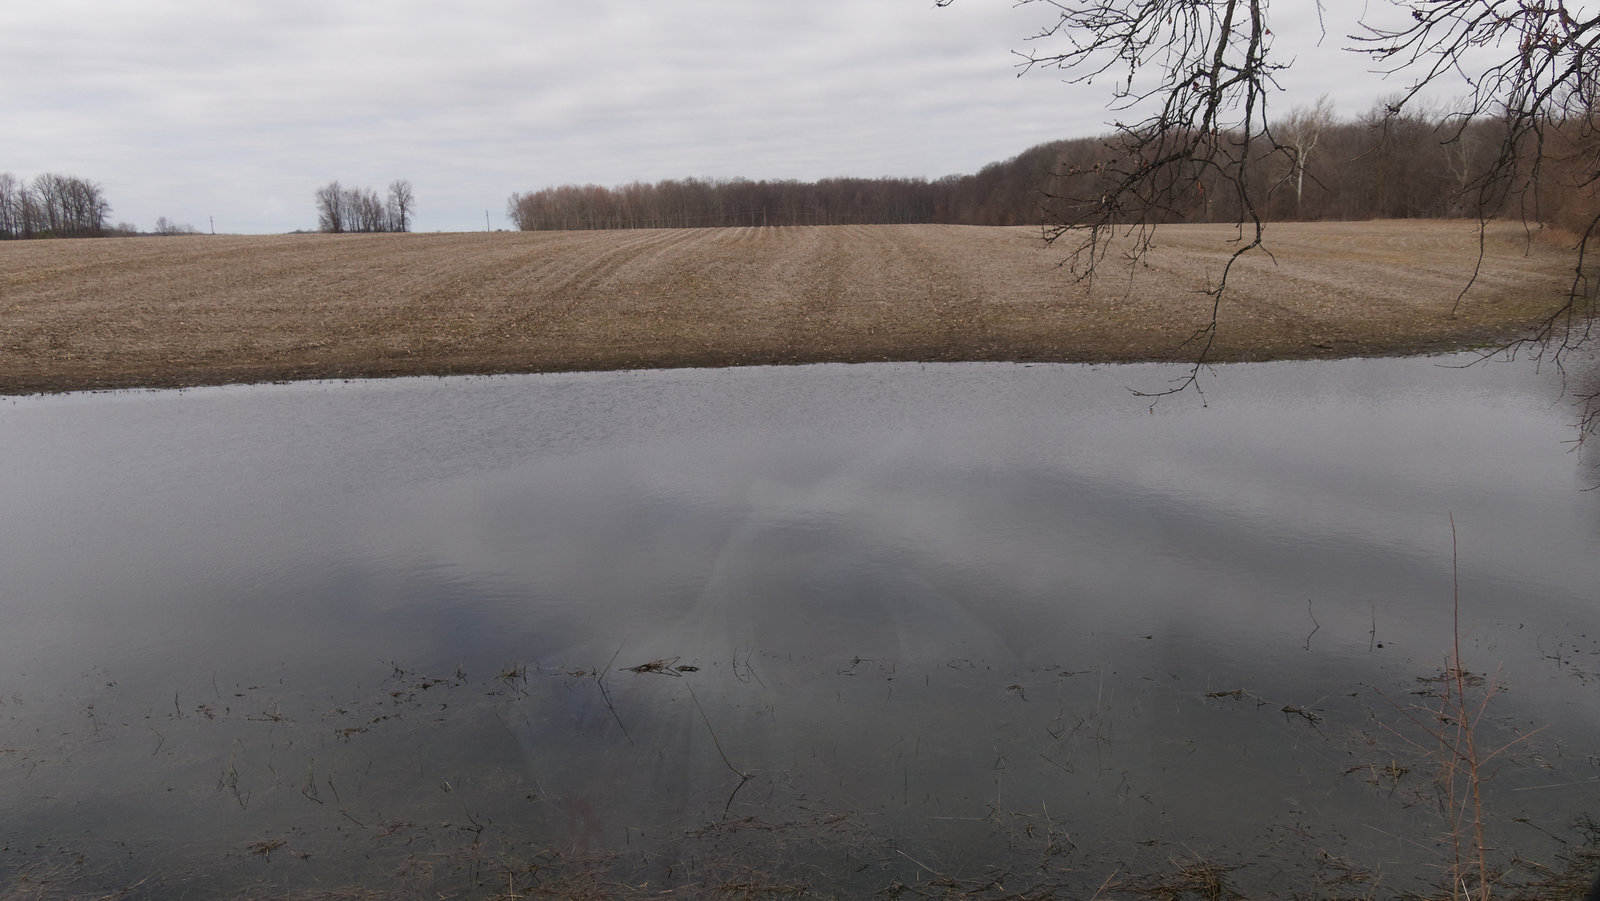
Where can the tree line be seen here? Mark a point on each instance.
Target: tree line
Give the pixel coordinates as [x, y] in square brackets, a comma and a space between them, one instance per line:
[1388, 163]
[1384, 164]
[52, 205]
[65, 206]
[341, 209]
[694, 202]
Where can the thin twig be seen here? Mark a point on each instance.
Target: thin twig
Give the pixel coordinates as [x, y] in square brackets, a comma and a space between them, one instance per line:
[600, 680]
[743, 776]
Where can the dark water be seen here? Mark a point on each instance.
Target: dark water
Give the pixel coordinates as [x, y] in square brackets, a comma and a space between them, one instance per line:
[945, 619]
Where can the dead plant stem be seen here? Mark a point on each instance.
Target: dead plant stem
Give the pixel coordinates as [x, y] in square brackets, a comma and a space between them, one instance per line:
[743, 776]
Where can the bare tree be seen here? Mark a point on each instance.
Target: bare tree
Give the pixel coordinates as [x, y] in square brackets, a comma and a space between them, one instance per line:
[11, 192]
[364, 211]
[1196, 76]
[64, 206]
[165, 226]
[330, 208]
[402, 203]
[341, 209]
[1299, 133]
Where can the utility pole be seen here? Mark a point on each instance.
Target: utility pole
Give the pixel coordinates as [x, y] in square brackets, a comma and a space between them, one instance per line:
[213, 224]
[486, 226]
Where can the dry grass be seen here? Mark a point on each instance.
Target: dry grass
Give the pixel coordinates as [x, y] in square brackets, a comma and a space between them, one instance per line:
[210, 310]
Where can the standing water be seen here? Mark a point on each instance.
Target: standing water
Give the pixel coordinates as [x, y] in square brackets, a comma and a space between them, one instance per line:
[838, 628]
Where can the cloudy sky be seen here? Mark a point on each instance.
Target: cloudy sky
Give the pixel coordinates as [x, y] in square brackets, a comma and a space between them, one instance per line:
[237, 110]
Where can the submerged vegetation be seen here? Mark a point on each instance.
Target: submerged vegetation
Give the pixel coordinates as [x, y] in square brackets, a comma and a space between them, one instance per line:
[363, 801]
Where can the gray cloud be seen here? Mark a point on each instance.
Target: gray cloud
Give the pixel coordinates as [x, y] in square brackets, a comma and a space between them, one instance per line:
[190, 109]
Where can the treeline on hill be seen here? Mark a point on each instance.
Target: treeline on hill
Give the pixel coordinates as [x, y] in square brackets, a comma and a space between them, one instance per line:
[52, 205]
[341, 209]
[1411, 165]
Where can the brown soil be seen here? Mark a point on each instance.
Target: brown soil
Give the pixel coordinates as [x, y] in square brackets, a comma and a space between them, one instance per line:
[114, 313]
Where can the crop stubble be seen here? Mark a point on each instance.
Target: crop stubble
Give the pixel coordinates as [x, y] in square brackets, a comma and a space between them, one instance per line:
[159, 312]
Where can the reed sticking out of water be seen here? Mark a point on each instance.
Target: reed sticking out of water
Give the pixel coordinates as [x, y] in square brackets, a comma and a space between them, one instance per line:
[1449, 724]
[743, 776]
[600, 680]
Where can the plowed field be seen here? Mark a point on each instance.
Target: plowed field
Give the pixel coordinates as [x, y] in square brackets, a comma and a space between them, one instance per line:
[196, 310]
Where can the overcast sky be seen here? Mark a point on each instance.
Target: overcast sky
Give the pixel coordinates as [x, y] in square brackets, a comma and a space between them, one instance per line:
[240, 109]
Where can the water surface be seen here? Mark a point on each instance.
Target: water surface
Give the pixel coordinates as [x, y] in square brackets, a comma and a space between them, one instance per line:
[944, 618]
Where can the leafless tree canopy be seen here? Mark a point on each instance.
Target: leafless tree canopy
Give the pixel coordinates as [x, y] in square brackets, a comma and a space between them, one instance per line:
[341, 209]
[1299, 133]
[1194, 79]
[1379, 164]
[167, 227]
[702, 203]
[59, 206]
[402, 203]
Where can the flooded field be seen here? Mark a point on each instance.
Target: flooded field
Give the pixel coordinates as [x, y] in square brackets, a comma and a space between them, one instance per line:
[936, 631]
